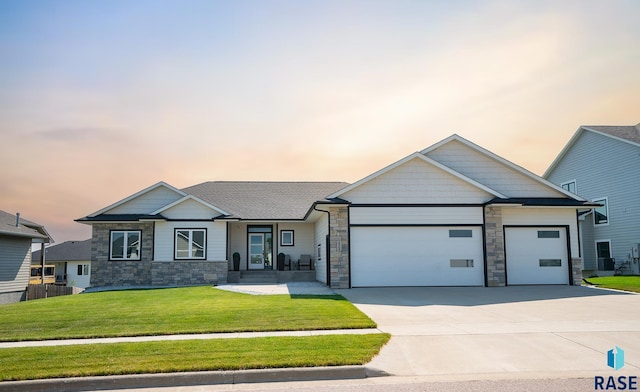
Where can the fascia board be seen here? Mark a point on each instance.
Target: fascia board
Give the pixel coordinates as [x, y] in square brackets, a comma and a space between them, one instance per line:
[189, 197]
[142, 192]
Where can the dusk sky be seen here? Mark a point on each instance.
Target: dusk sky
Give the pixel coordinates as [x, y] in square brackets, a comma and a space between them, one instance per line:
[100, 99]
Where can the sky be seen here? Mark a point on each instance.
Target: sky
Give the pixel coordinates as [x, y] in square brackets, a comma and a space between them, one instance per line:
[100, 99]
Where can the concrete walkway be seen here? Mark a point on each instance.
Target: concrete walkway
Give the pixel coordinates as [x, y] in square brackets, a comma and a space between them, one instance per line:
[205, 336]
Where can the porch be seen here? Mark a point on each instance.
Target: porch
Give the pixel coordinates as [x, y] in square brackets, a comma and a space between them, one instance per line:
[276, 252]
[270, 277]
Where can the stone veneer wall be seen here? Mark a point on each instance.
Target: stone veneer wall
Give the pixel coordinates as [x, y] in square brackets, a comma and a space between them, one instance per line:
[339, 251]
[189, 273]
[494, 237]
[576, 270]
[105, 272]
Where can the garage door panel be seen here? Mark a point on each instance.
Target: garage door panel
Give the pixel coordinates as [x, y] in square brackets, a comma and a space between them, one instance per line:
[536, 255]
[415, 256]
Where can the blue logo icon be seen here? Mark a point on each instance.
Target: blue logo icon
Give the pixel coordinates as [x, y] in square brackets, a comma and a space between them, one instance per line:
[615, 359]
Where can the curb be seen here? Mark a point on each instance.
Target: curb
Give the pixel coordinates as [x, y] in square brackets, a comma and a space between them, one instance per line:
[132, 381]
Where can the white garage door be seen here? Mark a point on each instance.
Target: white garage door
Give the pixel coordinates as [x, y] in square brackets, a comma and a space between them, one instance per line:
[536, 255]
[416, 256]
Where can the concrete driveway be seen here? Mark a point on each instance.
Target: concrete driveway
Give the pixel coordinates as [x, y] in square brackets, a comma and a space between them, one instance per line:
[446, 333]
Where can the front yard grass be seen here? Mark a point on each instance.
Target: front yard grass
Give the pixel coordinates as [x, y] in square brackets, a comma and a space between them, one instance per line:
[187, 310]
[625, 283]
[187, 355]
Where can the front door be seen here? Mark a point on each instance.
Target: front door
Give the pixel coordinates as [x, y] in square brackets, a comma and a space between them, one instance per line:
[260, 248]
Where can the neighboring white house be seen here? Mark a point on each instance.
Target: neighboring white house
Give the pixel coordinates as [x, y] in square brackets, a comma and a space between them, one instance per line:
[453, 214]
[16, 237]
[72, 261]
[602, 164]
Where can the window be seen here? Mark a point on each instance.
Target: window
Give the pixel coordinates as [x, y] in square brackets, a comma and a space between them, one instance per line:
[83, 269]
[601, 214]
[190, 244]
[603, 252]
[548, 234]
[461, 263]
[460, 234]
[550, 263]
[569, 186]
[286, 238]
[125, 245]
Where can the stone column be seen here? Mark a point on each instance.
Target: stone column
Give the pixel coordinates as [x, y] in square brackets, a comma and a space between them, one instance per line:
[494, 242]
[339, 250]
[576, 270]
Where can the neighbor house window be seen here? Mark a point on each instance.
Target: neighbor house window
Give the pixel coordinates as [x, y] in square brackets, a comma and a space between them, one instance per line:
[603, 252]
[190, 243]
[83, 269]
[601, 214]
[569, 186]
[125, 245]
[286, 238]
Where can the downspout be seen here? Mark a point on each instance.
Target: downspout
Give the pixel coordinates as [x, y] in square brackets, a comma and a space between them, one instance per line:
[328, 250]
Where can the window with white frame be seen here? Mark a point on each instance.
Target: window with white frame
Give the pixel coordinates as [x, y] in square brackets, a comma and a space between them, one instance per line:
[83, 269]
[601, 214]
[125, 245]
[569, 186]
[190, 244]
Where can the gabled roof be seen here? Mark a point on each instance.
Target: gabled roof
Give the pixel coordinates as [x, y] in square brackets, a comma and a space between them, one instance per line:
[24, 228]
[416, 155]
[627, 134]
[250, 200]
[503, 161]
[137, 194]
[189, 197]
[66, 251]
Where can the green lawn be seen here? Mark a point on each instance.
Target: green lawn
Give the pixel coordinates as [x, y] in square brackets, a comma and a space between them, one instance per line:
[188, 355]
[626, 283]
[173, 311]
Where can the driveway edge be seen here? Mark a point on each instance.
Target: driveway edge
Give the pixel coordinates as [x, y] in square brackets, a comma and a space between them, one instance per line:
[132, 381]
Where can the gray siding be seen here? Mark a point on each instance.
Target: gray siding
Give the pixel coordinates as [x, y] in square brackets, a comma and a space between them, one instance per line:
[15, 259]
[605, 167]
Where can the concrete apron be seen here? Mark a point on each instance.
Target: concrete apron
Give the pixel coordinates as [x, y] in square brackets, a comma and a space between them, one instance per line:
[508, 332]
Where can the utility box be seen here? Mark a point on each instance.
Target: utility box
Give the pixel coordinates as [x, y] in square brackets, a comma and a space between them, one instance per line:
[635, 251]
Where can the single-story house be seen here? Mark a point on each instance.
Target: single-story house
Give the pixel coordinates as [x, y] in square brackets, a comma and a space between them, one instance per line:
[601, 163]
[72, 261]
[453, 214]
[17, 235]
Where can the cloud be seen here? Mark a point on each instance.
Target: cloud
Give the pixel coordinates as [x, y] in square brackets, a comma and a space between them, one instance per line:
[79, 134]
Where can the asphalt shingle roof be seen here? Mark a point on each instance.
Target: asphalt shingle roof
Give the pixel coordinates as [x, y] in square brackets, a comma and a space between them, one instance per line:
[264, 200]
[26, 228]
[631, 132]
[66, 251]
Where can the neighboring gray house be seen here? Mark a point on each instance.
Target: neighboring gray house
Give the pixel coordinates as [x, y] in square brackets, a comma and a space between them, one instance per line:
[602, 164]
[453, 214]
[16, 237]
[72, 261]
